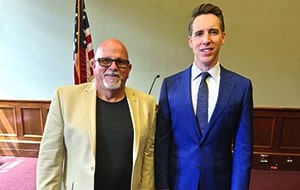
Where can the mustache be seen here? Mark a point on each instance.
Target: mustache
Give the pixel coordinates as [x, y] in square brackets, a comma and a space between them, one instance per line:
[112, 73]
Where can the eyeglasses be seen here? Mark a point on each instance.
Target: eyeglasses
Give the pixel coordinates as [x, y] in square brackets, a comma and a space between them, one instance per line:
[106, 62]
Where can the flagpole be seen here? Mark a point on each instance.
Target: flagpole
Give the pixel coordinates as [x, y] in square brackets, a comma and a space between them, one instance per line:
[78, 40]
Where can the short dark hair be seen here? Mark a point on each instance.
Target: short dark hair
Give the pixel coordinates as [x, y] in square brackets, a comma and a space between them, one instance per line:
[206, 8]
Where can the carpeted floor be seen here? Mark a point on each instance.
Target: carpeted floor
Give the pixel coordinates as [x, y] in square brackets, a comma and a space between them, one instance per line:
[18, 173]
[275, 180]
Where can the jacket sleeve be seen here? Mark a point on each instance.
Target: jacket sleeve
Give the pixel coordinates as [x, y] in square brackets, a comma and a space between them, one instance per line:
[243, 145]
[162, 141]
[50, 159]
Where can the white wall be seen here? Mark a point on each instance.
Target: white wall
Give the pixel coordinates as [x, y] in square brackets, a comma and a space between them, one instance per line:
[36, 43]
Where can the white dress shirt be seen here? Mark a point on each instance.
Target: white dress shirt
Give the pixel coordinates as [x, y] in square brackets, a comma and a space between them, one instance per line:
[213, 83]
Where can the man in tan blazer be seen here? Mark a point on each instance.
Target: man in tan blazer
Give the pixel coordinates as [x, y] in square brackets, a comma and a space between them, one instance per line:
[99, 135]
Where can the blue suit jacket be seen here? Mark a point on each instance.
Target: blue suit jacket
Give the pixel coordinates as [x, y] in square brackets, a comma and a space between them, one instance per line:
[185, 158]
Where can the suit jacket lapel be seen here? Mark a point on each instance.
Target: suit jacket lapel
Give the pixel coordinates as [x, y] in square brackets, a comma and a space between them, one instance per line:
[225, 92]
[90, 111]
[90, 114]
[184, 100]
[134, 111]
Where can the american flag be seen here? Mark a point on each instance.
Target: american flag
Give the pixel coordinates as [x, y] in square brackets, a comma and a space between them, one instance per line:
[83, 49]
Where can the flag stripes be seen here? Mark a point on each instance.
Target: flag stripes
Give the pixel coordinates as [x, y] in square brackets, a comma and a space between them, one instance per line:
[83, 49]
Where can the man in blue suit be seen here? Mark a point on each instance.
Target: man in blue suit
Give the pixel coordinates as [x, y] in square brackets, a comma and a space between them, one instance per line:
[216, 155]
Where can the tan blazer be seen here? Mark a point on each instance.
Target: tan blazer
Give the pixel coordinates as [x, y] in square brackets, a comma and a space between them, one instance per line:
[67, 152]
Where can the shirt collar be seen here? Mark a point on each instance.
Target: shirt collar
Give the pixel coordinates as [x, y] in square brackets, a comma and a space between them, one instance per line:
[214, 71]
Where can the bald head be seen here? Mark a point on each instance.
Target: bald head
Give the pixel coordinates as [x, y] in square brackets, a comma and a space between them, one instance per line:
[112, 47]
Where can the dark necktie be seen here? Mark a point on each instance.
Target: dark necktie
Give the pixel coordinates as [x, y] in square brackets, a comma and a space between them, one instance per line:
[202, 102]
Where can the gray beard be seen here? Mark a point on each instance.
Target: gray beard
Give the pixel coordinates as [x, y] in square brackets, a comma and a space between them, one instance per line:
[113, 86]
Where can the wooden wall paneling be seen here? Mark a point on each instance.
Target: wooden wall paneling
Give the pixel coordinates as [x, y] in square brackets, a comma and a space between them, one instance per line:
[276, 133]
[31, 126]
[276, 139]
[8, 126]
[290, 134]
[21, 126]
[263, 131]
